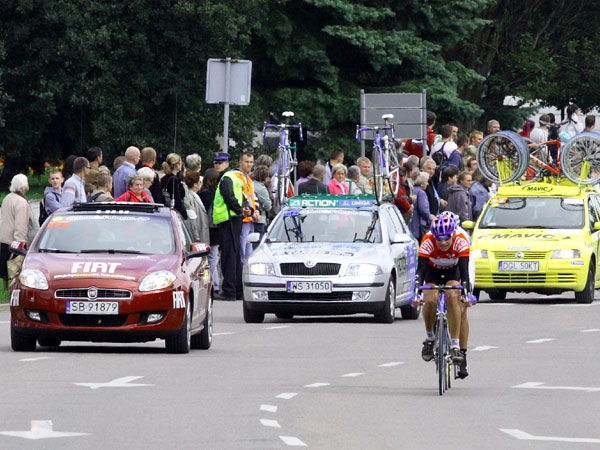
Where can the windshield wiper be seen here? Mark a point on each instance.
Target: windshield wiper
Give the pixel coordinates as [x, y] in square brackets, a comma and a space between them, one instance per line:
[53, 250]
[109, 250]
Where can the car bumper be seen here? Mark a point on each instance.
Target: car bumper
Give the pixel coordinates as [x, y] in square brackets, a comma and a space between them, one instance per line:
[349, 295]
[562, 274]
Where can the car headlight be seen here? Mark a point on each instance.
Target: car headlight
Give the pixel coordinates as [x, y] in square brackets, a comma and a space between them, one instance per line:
[261, 269]
[566, 254]
[33, 278]
[157, 280]
[477, 254]
[360, 270]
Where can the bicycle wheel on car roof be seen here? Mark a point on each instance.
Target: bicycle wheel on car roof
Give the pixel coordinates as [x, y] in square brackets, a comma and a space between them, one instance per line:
[392, 168]
[503, 157]
[377, 173]
[580, 158]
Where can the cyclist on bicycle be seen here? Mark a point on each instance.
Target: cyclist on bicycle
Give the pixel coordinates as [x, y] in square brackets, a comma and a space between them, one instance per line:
[444, 259]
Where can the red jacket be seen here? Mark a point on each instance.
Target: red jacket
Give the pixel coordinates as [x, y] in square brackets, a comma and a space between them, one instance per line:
[129, 196]
[417, 148]
[401, 200]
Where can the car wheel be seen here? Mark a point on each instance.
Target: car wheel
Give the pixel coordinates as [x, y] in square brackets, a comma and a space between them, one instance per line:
[496, 294]
[180, 342]
[587, 295]
[21, 342]
[388, 312]
[251, 316]
[48, 341]
[409, 312]
[284, 316]
[203, 340]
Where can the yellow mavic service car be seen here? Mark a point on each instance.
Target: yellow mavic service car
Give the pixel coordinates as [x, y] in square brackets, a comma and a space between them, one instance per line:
[540, 238]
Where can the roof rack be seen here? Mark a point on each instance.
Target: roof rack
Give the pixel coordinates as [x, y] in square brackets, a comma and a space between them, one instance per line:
[117, 206]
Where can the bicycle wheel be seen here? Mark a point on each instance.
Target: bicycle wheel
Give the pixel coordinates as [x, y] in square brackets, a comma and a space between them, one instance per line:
[282, 170]
[580, 158]
[503, 157]
[393, 166]
[377, 173]
[441, 355]
[448, 366]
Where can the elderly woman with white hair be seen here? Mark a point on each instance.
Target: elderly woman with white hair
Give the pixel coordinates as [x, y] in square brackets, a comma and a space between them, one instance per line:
[18, 223]
[147, 175]
[421, 215]
[338, 176]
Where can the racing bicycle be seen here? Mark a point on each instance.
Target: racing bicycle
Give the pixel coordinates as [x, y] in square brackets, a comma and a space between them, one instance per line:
[505, 156]
[286, 157]
[384, 157]
[441, 349]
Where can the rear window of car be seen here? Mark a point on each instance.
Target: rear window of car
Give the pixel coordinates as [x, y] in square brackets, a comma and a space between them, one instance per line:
[99, 233]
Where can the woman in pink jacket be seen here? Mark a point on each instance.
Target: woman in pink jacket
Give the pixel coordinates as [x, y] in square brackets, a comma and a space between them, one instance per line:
[338, 176]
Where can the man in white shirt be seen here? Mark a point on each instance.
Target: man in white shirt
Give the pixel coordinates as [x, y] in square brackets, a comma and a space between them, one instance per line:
[540, 134]
[446, 143]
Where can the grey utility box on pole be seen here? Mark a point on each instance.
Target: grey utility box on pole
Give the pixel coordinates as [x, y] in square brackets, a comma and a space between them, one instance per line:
[228, 81]
[409, 110]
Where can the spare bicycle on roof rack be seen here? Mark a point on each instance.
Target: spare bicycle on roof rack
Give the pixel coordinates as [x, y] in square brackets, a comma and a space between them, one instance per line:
[384, 157]
[286, 161]
[506, 157]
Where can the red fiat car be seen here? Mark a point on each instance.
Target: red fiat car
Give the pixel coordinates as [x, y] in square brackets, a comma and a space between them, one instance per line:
[113, 272]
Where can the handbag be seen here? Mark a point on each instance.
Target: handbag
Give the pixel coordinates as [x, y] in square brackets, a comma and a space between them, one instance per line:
[13, 265]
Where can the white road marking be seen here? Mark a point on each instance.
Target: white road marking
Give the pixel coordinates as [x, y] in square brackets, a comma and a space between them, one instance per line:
[316, 385]
[539, 341]
[119, 382]
[41, 429]
[483, 348]
[352, 375]
[390, 364]
[292, 441]
[268, 408]
[591, 330]
[577, 305]
[522, 435]
[286, 395]
[277, 327]
[270, 423]
[223, 334]
[538, 385]
[36, 359]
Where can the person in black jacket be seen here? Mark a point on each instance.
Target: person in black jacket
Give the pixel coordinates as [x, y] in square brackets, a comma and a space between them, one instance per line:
[148, 159]
[436, 204]
[315, 184]
[172, 188]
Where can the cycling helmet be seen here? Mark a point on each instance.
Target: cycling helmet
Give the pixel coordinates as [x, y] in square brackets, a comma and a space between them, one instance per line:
[442, 227]
[451, 214]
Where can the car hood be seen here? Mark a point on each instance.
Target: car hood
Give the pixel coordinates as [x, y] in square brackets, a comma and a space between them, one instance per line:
[523, 239]
[99, 266]
[322, 250]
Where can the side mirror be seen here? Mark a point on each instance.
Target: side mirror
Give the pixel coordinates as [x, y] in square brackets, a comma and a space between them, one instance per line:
[18, 248]
[596, 226]
[401, 238]
[252, 238]
[198, 250]
[468, 225]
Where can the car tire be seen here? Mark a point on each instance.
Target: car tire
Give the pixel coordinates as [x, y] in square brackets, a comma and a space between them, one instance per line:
[497, 295]
[251, 316]
[409, 312]
[284, 316]
[181, 342]
[587, 295]
[48, 341]
[21, 342]
[388, 312]
[203, 340]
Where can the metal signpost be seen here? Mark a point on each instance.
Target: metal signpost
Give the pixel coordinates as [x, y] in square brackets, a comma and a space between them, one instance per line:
[409, 110]
[228, 82]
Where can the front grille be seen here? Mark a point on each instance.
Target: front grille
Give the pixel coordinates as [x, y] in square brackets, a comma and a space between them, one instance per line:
[299, 269]
[526, 255]
[344, 296]
[97, 320]
[103, 294]
[527, 278]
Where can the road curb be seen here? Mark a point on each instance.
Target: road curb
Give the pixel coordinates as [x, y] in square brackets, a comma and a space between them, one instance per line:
[4, 307]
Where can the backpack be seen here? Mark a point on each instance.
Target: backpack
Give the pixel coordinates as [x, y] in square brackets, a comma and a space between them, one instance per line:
[92, 198]
[440, 158]
[43, 214]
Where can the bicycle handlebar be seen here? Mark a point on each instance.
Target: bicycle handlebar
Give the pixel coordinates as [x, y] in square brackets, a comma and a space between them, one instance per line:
[359, 130]
[281, 127]
[440, 287]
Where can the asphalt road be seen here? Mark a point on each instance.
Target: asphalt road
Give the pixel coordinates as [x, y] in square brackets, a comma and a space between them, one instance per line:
[343, 383]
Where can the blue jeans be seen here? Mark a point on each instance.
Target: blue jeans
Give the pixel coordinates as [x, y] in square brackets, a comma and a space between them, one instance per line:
[245, 248]
[213, 263]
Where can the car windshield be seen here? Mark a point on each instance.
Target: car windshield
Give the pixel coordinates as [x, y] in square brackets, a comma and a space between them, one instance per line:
[106, 233]
[326, 225]
[534, 212]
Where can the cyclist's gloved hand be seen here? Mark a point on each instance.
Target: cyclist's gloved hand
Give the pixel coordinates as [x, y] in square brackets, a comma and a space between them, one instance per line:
[468, 296]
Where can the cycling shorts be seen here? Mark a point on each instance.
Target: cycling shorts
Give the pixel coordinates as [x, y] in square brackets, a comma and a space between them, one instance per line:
[433, 275]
